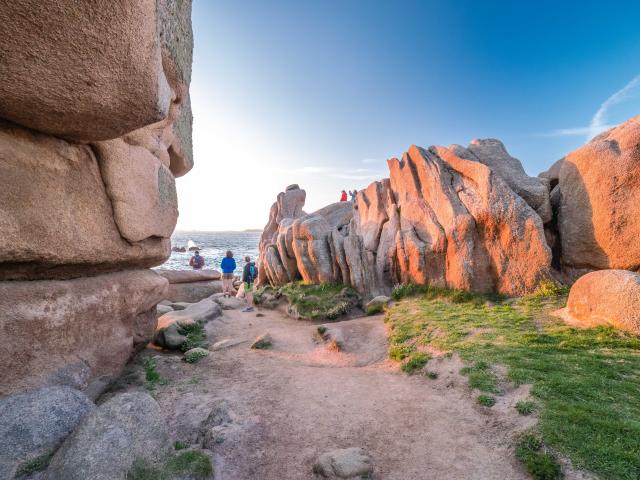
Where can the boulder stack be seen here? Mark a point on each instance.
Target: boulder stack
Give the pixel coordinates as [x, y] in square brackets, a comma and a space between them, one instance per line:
[95, 124]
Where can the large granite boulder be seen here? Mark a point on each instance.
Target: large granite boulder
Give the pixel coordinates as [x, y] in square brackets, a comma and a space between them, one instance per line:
[599, 188]
[606, 297]
[127, 428]
[188, 276]
[34, 424]
[74, 331]
[82, 70]
[56, 217]
[444, 217]
[192, 292]
[169, 333]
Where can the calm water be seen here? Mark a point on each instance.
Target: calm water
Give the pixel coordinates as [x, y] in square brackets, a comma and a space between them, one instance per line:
[213, 246]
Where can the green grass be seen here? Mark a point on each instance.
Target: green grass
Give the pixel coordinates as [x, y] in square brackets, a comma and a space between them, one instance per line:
[525, 407]
[193, 464]
[486, 400]
[432, 375]
[585, 382]
[196, 336]
[414, 362]
[374, 309]
[151, 374]
[540, 464]
[262, 344]
[178, 445]
[37, 464]
[322, 330]
[326, 301]
[193, 356]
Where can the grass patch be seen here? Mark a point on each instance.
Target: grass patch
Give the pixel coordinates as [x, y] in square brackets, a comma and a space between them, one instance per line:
[193, 356]
[549, 288]
[326, 301]
[540, 464]
[193, 464]
[525, 407]
[416, 361]
[322, 330]
[178, 445]
[584, 381]
[486, 400]
[400, 352]
[37, 464]
[196, 336]
[432, 375]
[374, 309]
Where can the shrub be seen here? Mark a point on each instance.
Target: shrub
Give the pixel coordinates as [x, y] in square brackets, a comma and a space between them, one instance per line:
[408, 290]
[375, 309]
[319, 302]
[549, 288]
[196, 354]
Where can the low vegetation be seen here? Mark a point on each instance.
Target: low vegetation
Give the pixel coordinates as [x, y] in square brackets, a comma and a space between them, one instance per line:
[538, 461]
[326, 301]
[486, 400]
[38, 464]
[374, 309]
[193, 464]
[584, 381]
[525, 407]
[196, 336]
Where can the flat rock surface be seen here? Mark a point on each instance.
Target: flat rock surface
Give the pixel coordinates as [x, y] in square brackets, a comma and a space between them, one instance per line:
[188, 276]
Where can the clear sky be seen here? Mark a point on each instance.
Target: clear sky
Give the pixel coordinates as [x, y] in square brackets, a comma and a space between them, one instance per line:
[321, 93]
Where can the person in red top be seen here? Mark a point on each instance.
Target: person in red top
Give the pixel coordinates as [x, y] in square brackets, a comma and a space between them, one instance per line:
[343, 196]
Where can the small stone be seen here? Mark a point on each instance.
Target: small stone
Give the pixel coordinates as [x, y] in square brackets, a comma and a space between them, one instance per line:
[344, 463]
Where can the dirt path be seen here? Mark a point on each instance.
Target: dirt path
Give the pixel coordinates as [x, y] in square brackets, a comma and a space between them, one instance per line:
[297, 400]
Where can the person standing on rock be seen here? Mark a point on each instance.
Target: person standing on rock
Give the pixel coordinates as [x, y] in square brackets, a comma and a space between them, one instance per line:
[353, 195]
[228, 266]
[343, 196]
[249, 275]
[196, 262]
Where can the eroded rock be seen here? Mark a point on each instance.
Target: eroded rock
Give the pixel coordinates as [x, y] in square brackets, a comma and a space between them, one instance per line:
[347, 463]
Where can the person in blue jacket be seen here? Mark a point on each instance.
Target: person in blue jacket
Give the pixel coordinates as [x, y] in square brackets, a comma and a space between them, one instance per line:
[228, 266]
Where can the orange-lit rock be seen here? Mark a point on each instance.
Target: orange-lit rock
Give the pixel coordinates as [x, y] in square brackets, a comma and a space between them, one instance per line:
[599, 191]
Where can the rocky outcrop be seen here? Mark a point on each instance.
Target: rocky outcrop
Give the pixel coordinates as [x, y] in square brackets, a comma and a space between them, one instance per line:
[95, 124]
[74, 331]
[35, 423]
[606, 297]
[598, 187]
[127, 428]
[445, 217]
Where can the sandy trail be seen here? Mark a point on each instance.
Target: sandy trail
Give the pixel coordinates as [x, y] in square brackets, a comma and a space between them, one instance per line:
[297, 400]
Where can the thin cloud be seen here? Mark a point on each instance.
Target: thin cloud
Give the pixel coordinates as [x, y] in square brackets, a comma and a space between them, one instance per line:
[342, 173]
[599, 120]
[370, 160]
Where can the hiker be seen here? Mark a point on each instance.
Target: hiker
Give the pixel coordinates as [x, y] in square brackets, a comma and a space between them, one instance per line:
[353, 195]
[228, 266]
[343, 196]
[249, 275]
[196, 262]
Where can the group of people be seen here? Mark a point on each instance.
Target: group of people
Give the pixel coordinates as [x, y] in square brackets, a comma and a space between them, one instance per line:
[352, 195]
[228, 267]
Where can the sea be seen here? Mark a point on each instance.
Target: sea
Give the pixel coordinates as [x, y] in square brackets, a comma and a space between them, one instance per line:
[213, 246]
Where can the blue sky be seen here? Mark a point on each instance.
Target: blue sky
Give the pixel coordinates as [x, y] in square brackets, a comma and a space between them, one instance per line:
[322, 93]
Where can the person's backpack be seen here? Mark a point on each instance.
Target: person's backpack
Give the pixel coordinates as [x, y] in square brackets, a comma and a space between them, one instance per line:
[253, 272]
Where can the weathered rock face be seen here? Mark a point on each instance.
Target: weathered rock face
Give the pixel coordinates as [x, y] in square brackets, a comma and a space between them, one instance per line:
[599, 187]
[606, 297]
[74, 331]
[95, 124]
[444, 218]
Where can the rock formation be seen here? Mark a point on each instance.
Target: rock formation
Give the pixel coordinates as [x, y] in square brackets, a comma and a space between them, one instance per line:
[596, 189]
[95, 124]
[446, 216]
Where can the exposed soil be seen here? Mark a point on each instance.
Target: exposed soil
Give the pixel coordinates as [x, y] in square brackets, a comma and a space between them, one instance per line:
[300, 398]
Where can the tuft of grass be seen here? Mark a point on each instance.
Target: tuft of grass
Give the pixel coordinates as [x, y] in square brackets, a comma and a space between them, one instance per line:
[196, 336]
[432, 375]
[34, 465]
[540, 464]
[193, 356]
[261, 344]
[374, 309]
[151, 374]
[549, 288]
[194, 463]
[525, 407]
[584, 381]
[400, 352]
[486, 400]
[322, 330]
[178, 445]
[416, 361]
[325, 301]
